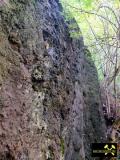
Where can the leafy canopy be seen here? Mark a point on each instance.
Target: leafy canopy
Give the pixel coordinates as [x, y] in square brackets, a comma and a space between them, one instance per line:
[97, 20]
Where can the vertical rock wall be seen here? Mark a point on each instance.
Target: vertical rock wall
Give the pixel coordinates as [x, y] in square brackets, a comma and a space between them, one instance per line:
[49, 92]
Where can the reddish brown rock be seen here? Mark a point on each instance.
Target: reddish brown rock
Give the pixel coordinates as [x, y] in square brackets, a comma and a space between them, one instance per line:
[49, 93]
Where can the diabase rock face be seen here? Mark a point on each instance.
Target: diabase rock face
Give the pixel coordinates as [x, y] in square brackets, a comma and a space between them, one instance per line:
[49, 93]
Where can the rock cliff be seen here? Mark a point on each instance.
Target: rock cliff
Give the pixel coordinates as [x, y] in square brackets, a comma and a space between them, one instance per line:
[50, 105]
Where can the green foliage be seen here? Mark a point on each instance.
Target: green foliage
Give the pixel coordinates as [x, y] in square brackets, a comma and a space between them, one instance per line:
[94, 28]
[74, 30]
[62, 146]
[86, 3]
[70, 12]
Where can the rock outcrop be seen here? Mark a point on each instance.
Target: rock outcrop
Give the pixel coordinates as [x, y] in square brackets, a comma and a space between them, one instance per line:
[50, 105]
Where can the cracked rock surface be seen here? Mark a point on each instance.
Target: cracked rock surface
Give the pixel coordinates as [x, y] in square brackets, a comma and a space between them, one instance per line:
[50, 105]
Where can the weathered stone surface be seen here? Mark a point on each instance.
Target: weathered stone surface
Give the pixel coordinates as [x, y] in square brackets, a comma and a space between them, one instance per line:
[49, 93]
